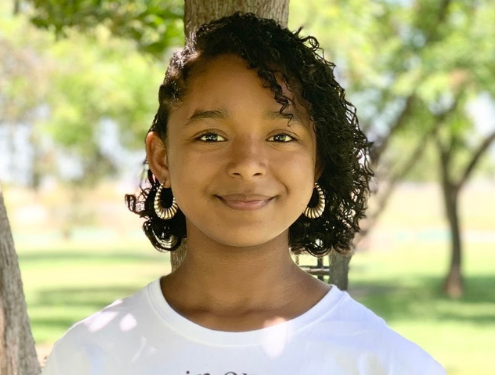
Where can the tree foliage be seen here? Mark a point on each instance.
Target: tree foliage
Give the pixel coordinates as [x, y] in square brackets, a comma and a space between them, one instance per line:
[403, 61]
[413, 68]
[154, 25]
[68, 91]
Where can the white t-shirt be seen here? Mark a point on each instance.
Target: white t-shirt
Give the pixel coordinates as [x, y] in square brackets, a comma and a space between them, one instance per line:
[143, 335]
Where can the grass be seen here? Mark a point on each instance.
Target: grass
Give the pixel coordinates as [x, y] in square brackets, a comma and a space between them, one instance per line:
[400, 279]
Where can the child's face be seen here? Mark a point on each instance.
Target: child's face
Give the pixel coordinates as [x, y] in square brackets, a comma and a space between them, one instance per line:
[234, 175]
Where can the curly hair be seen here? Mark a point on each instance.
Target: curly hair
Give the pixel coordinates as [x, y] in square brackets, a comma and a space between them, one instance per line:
[276, 54]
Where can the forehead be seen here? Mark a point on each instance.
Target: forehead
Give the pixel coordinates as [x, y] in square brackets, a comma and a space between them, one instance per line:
[227, 80]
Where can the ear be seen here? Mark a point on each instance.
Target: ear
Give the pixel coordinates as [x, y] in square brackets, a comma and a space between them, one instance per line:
[156, 154]
[319, 168]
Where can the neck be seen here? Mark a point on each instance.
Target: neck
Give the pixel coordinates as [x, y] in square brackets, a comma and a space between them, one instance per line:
[231, 278]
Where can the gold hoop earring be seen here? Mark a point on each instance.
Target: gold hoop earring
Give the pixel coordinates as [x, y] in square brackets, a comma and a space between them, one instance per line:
[161, 212]
[167, 244]
[314, 212]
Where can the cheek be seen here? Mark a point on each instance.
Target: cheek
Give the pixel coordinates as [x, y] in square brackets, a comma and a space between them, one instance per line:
[191, 175]
[298, 163]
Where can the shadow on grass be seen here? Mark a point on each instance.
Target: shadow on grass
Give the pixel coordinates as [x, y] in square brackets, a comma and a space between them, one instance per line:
[92, 298]
[423, 300]
[58, 323]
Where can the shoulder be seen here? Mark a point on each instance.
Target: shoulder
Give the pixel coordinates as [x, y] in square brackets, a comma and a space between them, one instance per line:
[93, 339]
[405, 356]
[358, 330]
[109, 321]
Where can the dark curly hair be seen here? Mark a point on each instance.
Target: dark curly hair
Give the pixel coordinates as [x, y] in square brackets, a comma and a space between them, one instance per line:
[275, 53]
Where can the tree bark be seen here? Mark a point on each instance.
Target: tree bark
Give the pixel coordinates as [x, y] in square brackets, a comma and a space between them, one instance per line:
[17, 351]
[339, 269]
[453, 285]
[198, 12]
[178, 255]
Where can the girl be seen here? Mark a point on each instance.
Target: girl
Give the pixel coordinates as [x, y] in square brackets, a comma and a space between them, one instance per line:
[254, 153]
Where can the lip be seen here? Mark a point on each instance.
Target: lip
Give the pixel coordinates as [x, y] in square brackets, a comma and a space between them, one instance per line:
[245, 202]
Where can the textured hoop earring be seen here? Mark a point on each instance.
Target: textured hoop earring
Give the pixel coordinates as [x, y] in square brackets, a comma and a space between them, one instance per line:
[314, 212]
[161, 212]
[167, 244]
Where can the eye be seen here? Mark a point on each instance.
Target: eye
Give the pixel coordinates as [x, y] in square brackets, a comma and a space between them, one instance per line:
[210, 137]
[282, 138]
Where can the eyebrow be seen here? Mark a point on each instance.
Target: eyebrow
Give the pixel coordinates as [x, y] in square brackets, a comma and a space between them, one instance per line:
[223, 114]
[276, 115]
[211, 114]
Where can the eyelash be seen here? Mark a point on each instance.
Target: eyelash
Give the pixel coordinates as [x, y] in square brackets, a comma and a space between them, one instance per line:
[212, 133]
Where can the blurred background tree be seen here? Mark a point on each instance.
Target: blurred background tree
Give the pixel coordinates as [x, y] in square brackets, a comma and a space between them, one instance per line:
[83, 101]
[412, 71]
[153, 25]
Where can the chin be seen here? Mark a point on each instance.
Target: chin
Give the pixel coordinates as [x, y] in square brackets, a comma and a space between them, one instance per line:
[240, 234]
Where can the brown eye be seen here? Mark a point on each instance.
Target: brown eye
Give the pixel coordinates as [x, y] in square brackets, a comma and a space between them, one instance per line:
[282, 138]
[210, 137]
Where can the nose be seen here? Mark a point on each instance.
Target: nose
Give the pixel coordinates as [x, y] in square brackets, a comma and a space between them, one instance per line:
[247, 158]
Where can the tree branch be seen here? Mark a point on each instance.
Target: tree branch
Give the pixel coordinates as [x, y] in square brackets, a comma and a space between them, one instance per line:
[384, 197]
[441, 15]
[17, 7]
[476, 158]
[402, 117]
[399, 123]
[446, 150]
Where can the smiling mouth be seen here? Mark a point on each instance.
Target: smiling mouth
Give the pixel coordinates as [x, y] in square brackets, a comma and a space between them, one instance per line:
[245, 204]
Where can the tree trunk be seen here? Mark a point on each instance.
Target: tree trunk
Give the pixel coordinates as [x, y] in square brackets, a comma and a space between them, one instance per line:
[178, 255]
[198, 12]
[17, 351]
[339, 269]
[453, 285]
